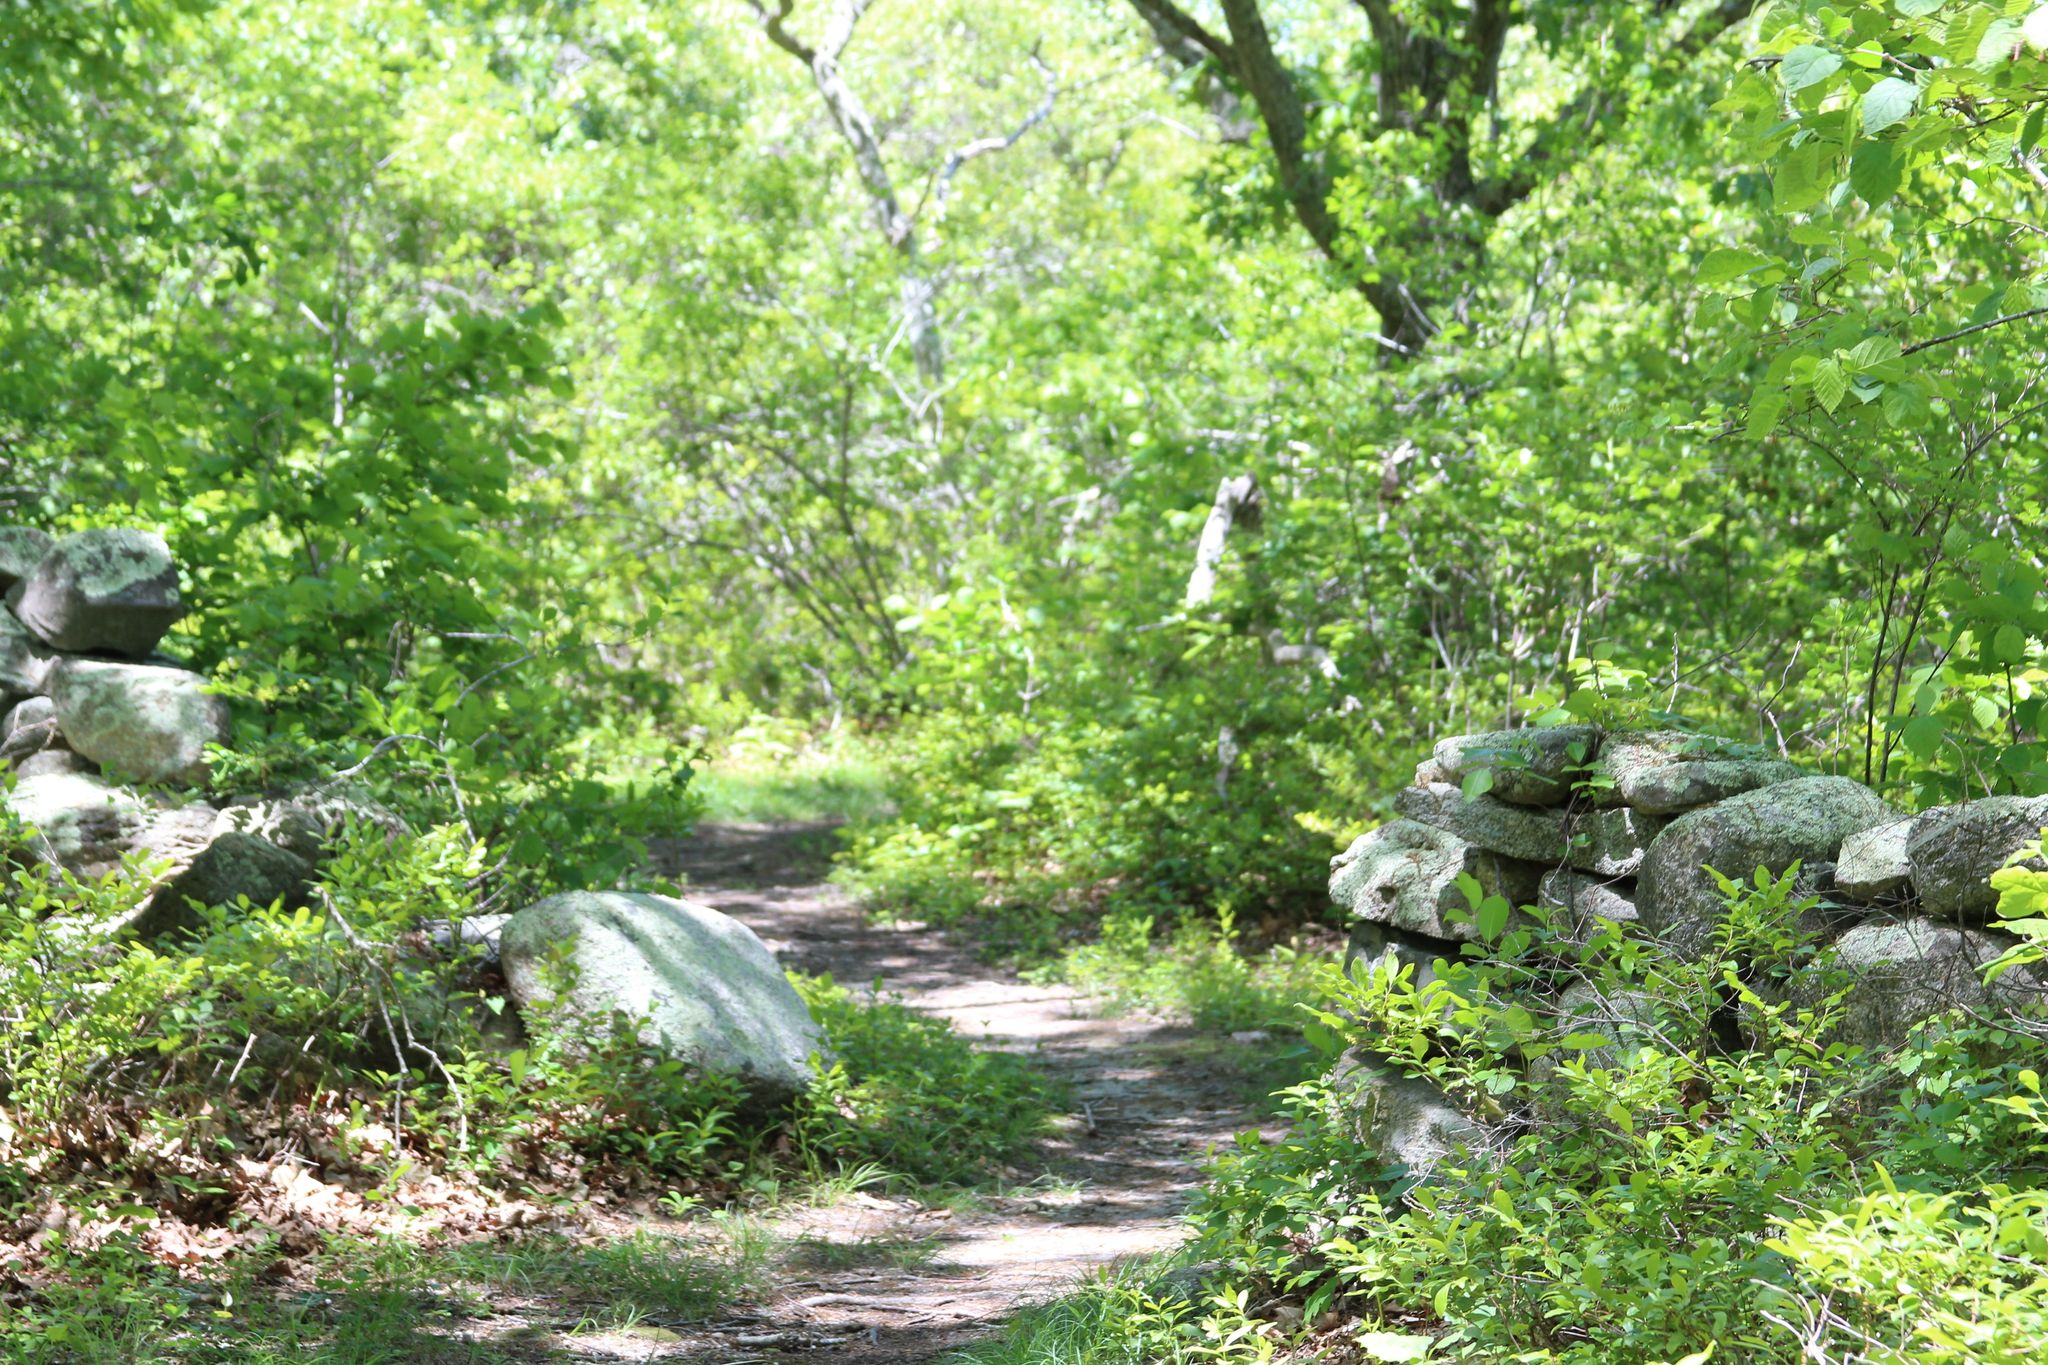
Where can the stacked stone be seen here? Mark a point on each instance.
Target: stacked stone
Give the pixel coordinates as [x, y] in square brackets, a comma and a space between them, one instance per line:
[94, 719]
[1620, 829]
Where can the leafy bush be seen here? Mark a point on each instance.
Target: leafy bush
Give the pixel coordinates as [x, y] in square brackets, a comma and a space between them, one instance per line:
[1663, 1190]
[905, 1091]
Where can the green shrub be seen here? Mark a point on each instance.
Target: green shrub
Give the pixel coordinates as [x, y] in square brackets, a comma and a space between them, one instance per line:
[1664, 1189]
[906, 1092]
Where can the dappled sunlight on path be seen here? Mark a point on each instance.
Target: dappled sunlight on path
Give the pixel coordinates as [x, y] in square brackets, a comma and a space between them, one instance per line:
[892, 1279]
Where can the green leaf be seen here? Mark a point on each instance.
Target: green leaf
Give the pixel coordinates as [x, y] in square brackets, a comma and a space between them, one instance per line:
[1885, 103]
[1797, 185]
[1918, 9]
[1807, 64]
[1999, 45]
[1873, 351]
[1764, 412]
[1904, 404]
[1726, 263]
[1922, 736]
[1874, 172]
[2009, 645]
[1830, 384]
[1492, 917]
[1477, 783]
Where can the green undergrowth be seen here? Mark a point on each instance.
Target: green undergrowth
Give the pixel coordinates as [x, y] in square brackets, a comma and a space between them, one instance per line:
[1700, 1168]
[363, 1302]
[139, 1082]
[1198, 970]
[907, 1094]
[771, 770]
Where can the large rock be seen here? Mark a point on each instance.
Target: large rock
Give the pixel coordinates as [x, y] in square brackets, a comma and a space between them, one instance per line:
[1664, 772]
[110, 591]
[695, 982]
[80, 823]
[1528, 767]
[1410, 1122]
[1803, 821]
[1901, 972]
[1953, 850]
[21, 549]
[1609, 842]
[53, 760]
[1405, 875]
[1873, 867]
[24, 660]
[144, 722]
[231, 867]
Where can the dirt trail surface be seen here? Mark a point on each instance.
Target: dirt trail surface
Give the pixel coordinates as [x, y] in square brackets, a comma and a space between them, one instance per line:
[884, 1279]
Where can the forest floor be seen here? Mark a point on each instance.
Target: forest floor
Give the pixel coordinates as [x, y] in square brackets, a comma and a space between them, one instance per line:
[887, 1278]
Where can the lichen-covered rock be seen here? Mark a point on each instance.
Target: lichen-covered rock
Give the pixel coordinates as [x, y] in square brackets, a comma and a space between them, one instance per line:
[1953, 850]
[144, 722]
[1803, 821]
[110, 591]
[1532, 834]
[309, 821]
[1532, 767]
[1664, 772]
[1588, 902]
[1873, 866]
[1609, 842]
[24, 660]
[1409, 1122]
[1904, 971]
[694, 981]
[80, 823]
[21, 549]
[1405, 875]
[229, 868]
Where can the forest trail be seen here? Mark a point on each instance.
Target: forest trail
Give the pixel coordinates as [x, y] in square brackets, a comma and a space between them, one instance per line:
[889, 1279]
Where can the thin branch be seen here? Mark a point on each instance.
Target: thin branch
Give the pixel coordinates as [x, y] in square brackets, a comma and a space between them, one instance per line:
[1972, 329]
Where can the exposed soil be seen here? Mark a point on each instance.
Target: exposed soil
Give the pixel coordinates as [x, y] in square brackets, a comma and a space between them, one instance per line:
[890, 1279]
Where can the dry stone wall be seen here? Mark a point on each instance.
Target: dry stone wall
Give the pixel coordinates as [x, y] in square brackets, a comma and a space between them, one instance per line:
[106, 738]
[1621, 828]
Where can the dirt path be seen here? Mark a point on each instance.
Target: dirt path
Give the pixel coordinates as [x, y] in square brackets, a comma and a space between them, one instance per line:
[887, 1280]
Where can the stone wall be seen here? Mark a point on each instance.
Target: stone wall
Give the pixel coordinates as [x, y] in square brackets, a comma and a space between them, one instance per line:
[1619, 828]
[107, 739]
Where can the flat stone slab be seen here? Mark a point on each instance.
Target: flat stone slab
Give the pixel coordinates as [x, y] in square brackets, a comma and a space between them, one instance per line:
[1666, 772]
[1610, 842]
[78, 822]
